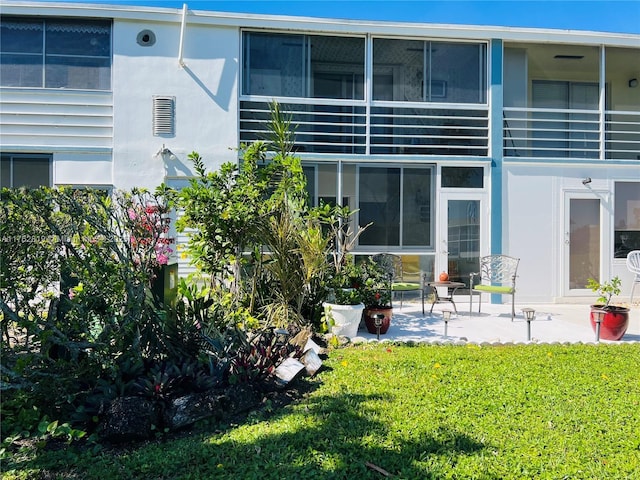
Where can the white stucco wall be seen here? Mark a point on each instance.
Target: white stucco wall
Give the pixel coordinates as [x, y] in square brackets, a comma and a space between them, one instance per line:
[534, 225]
[206, 99]
[92, 169]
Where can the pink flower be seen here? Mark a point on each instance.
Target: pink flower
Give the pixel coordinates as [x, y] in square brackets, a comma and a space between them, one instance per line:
[162, 259]
[72, 294]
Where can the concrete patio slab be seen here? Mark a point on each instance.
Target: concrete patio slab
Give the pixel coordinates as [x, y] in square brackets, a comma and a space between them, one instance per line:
[553, 323]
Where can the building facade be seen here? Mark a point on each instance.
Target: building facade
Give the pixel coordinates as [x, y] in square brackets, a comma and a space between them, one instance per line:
[455, 141]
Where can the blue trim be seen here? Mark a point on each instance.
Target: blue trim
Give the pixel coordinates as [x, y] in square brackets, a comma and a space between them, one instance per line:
[495, 114]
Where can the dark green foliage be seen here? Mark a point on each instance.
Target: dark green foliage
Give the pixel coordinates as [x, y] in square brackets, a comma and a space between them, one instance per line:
[169, 379]
[375, 287]
[259, 358]
[64, 345]
[254, 234]
[81, 325]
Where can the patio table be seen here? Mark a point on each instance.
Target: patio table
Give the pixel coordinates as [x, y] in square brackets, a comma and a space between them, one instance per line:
[451, 290]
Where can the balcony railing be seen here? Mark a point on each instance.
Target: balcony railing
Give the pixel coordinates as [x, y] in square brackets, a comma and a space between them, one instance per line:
[570, 134]
[622, 139]
[429, 131]
[337, 126]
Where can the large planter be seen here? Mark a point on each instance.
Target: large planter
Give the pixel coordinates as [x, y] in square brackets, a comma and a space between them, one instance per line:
[346, 318]
[615, 322]
[369, 319]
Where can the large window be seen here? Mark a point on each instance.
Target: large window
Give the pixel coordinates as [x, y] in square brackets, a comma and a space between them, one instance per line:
[23, 170]
[290, 65]
[425, 71]
[398, 201]
[55, 53]
[626, 218]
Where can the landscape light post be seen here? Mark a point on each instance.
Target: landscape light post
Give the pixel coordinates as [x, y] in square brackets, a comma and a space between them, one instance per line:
[377, 321]
[599, 317]
[529, 315]
[446, 316]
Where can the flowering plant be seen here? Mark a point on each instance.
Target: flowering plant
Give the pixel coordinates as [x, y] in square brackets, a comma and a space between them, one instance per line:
[376, 287]
[149, 226]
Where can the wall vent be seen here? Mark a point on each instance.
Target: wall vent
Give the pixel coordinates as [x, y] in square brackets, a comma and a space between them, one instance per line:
[146, 38]
[164, 109]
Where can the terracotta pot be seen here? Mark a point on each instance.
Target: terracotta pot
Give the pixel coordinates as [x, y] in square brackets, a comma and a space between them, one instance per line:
[370, 321]
[615, 322]
[444, 277]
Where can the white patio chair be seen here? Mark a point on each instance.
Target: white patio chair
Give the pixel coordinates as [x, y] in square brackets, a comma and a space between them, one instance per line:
[633, 264]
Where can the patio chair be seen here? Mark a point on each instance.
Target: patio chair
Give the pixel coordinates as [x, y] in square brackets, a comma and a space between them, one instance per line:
[633, 264]
[393, 264]
[497, 275]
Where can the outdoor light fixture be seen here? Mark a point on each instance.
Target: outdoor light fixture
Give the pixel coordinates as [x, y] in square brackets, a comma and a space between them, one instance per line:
[598, 318]
[377, 321]
[164, 151]
[586, 181]
[633, 83]
[529, 315]
[446, 316]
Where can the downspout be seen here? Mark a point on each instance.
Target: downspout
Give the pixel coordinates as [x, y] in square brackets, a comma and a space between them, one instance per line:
[182, 29]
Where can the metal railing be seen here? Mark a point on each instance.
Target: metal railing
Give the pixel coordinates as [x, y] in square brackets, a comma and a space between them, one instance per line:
[327, 127]
[571, 134]
[344, 127]
[448, 130]
[622, 135]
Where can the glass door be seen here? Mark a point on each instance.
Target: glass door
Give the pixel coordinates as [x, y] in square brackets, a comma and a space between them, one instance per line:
[461, 233]
[582, 243]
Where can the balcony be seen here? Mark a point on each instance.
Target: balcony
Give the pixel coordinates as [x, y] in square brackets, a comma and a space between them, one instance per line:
[345, 127]
[571, 134]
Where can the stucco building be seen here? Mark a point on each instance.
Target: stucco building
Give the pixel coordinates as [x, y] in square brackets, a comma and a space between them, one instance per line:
[456, 141]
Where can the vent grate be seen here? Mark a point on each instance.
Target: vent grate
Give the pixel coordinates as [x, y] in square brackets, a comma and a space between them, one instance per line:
[164, 115]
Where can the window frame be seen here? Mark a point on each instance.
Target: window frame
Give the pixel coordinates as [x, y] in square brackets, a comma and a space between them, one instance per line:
[13, 156]
[352, 197]
[309, 66]
[50, 61]
[428, 79]
[620, 248]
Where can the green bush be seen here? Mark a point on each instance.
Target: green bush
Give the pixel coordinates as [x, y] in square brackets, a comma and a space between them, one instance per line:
[75, 296]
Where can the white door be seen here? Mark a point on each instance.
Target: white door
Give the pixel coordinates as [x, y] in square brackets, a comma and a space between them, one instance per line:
[582, 249]
[462, 231]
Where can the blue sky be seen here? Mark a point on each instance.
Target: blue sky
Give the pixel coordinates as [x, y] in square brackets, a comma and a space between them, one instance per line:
[620, 16]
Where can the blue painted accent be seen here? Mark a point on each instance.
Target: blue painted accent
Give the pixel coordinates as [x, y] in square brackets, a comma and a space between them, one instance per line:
[495, 114]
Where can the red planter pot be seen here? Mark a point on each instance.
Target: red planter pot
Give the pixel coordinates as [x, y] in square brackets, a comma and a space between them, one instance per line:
[370, 321]
[615, 322]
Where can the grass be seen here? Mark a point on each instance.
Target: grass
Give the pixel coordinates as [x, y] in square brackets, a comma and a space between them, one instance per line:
[525, 411]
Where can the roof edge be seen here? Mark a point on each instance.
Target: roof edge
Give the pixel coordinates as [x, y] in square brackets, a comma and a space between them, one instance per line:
[320, 24]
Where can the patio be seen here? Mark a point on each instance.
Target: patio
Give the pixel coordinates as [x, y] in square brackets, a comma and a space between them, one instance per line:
[553, 323]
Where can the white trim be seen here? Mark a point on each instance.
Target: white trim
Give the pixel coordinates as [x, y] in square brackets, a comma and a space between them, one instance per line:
[353, 27]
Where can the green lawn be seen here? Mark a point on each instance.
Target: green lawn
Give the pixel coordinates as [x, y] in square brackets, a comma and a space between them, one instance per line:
[527, 411]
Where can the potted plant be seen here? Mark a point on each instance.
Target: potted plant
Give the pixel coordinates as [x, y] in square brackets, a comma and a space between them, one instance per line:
[616, 318]
[343, 308]
[376, 295]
